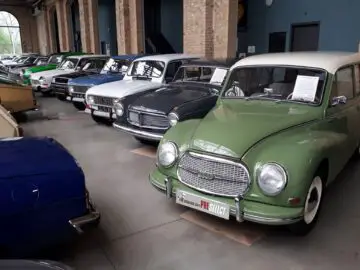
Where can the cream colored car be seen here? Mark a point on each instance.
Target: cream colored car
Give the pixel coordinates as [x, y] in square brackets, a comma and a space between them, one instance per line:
[8, 125]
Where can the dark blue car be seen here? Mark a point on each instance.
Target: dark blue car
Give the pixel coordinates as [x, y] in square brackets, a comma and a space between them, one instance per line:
[43, 196]
[114, 70]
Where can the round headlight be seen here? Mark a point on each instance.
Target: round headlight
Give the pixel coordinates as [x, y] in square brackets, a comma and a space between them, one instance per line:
[173, 118]
[167, 154]
[42, 80]
[272, 179]
[90, 100]
[71, 89]
[119, 108]
[116, 100]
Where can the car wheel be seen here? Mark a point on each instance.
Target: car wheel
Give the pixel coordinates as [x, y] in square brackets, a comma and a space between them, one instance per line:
[79, 105]
[313, 203]
[102, 120]
[61, 97]
[147, 142]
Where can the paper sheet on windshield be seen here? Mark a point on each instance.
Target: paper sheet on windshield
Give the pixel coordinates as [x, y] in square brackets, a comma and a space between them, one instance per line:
[140, 69]
[305, 88]
[218, 75]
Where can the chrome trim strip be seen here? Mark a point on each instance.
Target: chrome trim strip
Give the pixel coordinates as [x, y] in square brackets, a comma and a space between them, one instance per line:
[139, 133]
[220, 160]
[144, 109]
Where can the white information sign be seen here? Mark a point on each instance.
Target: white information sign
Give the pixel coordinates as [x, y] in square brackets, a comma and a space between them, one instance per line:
[218, 75]
[140, 69]
[305, 88]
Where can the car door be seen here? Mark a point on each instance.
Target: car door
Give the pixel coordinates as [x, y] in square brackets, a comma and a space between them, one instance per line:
[342, 118]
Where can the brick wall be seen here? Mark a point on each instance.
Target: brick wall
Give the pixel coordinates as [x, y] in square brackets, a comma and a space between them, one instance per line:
[129, 25]
[210, 27]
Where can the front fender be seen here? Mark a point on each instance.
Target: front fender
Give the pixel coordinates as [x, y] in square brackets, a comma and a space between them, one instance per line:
[181, 135]
[299, 151]
[195, 108]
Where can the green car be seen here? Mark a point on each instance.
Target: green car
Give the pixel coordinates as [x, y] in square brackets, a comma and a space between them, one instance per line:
[53, 62]
[283, 128]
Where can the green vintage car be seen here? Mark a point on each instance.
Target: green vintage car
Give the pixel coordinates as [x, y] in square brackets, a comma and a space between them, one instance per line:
[53, 62]
[283, 128]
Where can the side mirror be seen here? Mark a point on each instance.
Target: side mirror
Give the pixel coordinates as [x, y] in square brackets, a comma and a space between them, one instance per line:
[338, 100]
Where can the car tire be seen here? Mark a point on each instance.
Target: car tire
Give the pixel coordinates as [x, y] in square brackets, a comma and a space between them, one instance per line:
[61, 97]
[102, 120]
[312, 208]
[80, 106]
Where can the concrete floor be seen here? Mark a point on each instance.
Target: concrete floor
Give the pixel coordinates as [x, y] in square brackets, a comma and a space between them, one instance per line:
[140, 229]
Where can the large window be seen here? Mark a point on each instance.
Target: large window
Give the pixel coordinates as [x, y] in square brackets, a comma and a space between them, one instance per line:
[10, 41]
[344, 84]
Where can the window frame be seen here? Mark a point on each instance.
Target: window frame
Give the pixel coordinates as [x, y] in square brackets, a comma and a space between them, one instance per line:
[332, 94]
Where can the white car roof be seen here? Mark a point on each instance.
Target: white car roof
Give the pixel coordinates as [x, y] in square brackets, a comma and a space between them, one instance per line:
[166, 57]
[87, 56]
[329, 61]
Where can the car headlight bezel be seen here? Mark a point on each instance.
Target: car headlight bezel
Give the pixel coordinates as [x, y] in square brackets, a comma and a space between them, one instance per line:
[266, 174]
[119, 108]
[172, 149]
[173, 118]
[42, 80]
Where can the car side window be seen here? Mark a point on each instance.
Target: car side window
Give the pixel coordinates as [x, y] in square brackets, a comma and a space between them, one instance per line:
[172, 68]
[344, 83]
[357, 79]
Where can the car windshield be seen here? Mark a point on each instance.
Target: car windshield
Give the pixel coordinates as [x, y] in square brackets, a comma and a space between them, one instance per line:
[69, 63]
[289, 84]
[92, 64]
[116, 66]
[40, 61]
[22, 59]
[147, 69]
[202, 74]
[55, 59]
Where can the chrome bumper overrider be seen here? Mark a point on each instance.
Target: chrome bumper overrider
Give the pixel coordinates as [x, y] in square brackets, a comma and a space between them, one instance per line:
[140, 133]
[92, 217]
[234, 211]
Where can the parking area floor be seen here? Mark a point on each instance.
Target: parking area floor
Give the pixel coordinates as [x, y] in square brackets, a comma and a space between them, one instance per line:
[141, 229]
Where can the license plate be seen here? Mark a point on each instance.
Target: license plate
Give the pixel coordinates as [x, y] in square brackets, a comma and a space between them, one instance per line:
[102, 114]
[78, 99]
[202, 204]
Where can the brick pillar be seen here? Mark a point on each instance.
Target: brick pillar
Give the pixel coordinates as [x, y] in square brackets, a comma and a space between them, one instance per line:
[68, 31]
[210, 27]
[198, 27]
[129, 26]
[89, 25]
[49, 13]
[60, 9]
[225, 15]
[84, 25]
[94, 26]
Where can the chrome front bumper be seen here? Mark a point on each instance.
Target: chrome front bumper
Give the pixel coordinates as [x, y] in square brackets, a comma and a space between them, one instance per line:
[234, 211]
[139, 133]
[92, 217]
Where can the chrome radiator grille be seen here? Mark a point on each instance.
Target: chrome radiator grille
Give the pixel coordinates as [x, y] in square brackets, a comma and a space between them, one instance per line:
[213, 175]
[61, 80]
[80, 89]
[105, 101]
[146, 120]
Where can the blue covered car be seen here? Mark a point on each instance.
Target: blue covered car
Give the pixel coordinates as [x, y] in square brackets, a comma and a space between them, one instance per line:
[114, 70]
[43, 196]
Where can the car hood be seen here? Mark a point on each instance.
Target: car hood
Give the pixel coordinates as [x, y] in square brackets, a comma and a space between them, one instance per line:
[246, 123]
[172, 95]
[96, 79]
[78, 74]
[15, 151]
[119, 89]
[51, 73]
